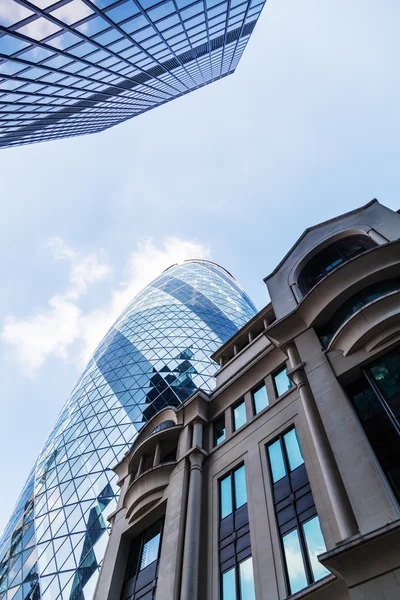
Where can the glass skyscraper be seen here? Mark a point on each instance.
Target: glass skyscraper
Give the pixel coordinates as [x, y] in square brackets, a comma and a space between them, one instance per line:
[155, 355]
[80, 66]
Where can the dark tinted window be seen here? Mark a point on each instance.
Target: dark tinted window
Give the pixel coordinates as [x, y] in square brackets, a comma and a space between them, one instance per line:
[219, 430]
[331, 257]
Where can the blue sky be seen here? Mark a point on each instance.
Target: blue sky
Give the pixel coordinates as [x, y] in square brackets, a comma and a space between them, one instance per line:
[307, 128]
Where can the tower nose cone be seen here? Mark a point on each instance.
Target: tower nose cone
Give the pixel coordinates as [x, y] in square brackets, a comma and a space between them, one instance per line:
[155, 355]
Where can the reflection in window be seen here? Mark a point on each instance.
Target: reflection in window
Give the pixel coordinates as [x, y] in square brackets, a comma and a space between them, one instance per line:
[240, 577]
[315, 546]
[229, 585]
[296, 515]
[219, 430]
[354, 304]
[294, 562]
[276, 461]
[246, 576]
[226, 496]
[386, 373]
[293, 449]
[331, 257]
[151, 546]
[376, 399]
[142, 564]
[233, 493]
[282, 382]
[239, 415]
[260, 399]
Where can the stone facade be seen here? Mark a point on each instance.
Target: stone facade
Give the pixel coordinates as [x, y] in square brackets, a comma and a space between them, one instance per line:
[175, 467]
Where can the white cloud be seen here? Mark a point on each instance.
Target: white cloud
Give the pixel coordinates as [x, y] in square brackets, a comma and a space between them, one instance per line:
[63, 329]
[11, 12]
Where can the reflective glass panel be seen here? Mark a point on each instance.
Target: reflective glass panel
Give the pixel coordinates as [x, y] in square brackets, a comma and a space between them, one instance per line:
[219, 430]
[150, 551]
[282, 382]
[155, 355]
[229, 585]
[293, 449]
[386, 373]
[135, 56]
[239, 415]
[276, 461]
[315, 546]
[294, 562]
[226, 496]
[240, 487]
[260, 399]
[247, 591]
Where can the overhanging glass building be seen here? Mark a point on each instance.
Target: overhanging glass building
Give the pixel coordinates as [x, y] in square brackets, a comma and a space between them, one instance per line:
[156, 355]
[80, 66]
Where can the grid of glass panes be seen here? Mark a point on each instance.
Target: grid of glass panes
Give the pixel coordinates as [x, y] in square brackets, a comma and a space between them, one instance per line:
[236, 563]
[80, 66]
[154, 356]
[297, 519]
[141, 571]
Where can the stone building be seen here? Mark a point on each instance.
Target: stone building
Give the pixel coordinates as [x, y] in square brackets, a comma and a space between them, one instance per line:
[284, 480]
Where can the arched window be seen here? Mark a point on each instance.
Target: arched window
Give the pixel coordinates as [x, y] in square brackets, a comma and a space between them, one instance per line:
[353, 304]
[331, 257]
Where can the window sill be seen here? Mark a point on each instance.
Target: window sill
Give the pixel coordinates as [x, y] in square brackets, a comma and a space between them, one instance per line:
[313, 588]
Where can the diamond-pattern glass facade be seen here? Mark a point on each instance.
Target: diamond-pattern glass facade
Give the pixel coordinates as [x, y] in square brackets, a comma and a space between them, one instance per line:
[79, 66]
[156, 354]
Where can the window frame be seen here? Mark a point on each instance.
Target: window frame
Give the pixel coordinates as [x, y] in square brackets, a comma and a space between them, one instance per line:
[307, 565]
[237, 578]
[231, 475]
[141, 545]
[277, 372]
[214, 441]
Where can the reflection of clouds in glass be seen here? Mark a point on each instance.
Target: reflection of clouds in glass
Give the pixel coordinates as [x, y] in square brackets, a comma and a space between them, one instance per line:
[294, 562]
[315, 546]
[247, 580]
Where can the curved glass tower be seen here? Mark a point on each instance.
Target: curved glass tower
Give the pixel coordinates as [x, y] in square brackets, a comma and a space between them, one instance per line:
[71, 67]
[155, 355]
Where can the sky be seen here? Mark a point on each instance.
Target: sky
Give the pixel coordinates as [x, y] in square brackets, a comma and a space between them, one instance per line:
[308, 127]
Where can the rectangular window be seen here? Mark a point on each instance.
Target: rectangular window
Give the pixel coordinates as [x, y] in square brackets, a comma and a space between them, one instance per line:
[233, 493]
[376, 400]
[219, 430]
[151, 545]
[239, 415]
[142, 566]
[282, 382]
[296, 515]
[236, 565]
[260, 399]
[240, 577]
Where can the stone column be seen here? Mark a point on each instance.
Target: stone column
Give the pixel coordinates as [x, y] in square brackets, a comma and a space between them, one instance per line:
[197, 434]
[341, 506]
[190, 570]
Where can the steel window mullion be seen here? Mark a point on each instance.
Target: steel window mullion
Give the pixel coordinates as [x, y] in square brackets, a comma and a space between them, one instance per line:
[303, 547]
[73, 59]
[382, 400]
[105, 16]
[83, 37]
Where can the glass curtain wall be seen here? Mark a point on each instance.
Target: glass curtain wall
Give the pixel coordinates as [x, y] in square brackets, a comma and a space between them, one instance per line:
[156, 355]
